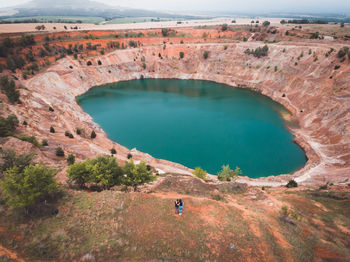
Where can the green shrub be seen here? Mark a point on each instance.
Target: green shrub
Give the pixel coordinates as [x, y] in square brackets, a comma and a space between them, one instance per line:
[132, 43]
[258, 52]
[44, 142]
[30, 139]
[99, 62]
[25, 189]
[266, 23]
[52, 130]
[329, 52]
[205, 54]
[113, 151]
[314, 35]
[9, 89]
[336, 67]
[165, 32]
[8, 125]
[144, 65]
[136, 174]
[292, 183]
[79, 173]
[218, 198]
[78, 131]
[15, 61]
[182, 55]
[227, 174]
[200, 173]
[59, 152]
[105, 171]
[10, 159]
[93, 134]
[224, 27]
[343, 51]
[89, 63]
[284, 211]
[71, 159]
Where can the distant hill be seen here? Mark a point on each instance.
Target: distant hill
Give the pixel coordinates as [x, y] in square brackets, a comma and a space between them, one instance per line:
[83, 8]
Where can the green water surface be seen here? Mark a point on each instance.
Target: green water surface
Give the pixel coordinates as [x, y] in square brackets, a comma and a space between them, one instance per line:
[196, 123]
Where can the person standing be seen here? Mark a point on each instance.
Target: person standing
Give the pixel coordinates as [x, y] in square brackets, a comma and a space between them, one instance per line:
[181, 204]
[177, 204]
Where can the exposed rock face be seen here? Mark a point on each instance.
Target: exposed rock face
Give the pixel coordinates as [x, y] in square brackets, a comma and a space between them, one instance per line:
[320, 104]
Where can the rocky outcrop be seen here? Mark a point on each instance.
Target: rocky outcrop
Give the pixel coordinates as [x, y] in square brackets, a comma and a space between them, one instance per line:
[320, 104]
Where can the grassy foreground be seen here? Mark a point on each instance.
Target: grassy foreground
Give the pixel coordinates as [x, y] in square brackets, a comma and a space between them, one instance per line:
[238, 226]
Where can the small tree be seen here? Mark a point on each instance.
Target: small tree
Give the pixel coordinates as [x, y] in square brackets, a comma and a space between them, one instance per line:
[227, 174]
[200, 173]
[343, 51]
[136, 174]
[205, 54]
[25, 189]
[93, 134]
[113, 151]
[132, 43]
[266, 23]
[292, 183]
[9, 88]
[10, 159]
[165, 32]
[44, 142]
[224, 27]
[52, 130]
[8, 125]
[71, 159]
[80, 173]
[59, 152]
[181, 54]
[89, 63]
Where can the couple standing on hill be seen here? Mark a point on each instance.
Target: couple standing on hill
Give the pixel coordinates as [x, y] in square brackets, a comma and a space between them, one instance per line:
[178, 206]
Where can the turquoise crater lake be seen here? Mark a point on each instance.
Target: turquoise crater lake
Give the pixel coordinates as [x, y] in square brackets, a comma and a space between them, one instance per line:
[197, 123]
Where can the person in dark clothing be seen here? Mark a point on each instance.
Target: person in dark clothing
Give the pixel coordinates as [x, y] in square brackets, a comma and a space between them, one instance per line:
[177, 204]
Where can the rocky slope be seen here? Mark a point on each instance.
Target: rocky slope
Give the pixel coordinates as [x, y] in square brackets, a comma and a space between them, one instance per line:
[320, 104]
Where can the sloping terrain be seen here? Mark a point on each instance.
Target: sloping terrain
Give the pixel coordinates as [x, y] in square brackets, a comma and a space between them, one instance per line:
[314, 92]
[241, 224]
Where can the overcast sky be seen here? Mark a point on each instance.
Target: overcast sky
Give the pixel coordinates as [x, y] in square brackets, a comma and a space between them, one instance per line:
[324, 6]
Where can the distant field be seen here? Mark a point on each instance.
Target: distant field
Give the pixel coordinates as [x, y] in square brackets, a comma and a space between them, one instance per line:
[55, 19]
[87, 20]
[129, 20]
